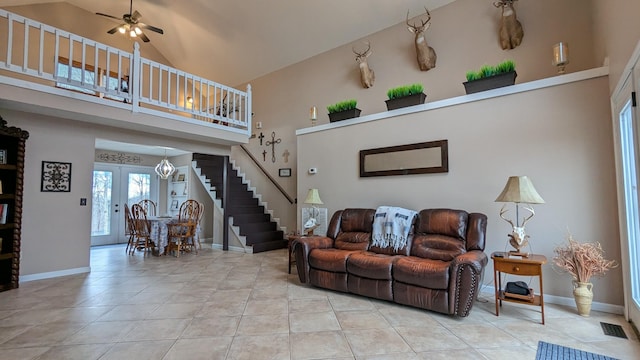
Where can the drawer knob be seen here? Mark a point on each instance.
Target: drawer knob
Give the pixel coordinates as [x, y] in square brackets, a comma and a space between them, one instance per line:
[515, 268]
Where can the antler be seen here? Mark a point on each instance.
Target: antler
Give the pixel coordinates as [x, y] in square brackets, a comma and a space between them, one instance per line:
[529, 217]
[364, 53]
[502, 3]
[417, 28]
[502, 211]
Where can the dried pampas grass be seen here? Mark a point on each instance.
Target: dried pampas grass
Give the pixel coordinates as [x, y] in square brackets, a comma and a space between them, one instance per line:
[582, 260]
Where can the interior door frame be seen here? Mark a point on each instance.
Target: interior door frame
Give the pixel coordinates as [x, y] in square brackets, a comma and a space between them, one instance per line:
[629, 83]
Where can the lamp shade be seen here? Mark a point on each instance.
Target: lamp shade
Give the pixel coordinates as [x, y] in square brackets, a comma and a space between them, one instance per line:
[519, 189]
[165, 169]
[313, 197]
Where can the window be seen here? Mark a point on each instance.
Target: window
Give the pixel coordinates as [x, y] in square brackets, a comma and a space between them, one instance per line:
[89, 73]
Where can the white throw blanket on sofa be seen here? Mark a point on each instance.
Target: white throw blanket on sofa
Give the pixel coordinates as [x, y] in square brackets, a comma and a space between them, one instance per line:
[391, 227]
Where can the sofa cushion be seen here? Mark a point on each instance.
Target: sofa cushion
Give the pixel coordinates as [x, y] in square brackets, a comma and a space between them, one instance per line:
[447, 222]
[355, 229]
[437, 247]
[370, 265]
[432, 274]
[334, 260]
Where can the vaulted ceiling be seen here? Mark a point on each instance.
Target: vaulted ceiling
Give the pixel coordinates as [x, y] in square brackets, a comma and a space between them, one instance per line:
[235, 41]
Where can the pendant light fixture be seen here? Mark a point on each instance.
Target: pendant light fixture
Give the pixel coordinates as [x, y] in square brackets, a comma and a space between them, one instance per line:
[165, 169]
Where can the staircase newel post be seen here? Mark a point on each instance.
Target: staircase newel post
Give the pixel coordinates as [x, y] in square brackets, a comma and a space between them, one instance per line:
[225, 204]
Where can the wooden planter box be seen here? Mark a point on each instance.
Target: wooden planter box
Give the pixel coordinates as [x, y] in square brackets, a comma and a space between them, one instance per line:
[489, 83]
[411, 100]
[343, 115]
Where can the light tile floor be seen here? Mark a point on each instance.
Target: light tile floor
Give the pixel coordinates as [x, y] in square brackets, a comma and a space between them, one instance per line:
[226, 305]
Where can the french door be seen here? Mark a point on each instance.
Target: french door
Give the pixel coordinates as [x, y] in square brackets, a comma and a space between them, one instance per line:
[627, 136]
[113, 187]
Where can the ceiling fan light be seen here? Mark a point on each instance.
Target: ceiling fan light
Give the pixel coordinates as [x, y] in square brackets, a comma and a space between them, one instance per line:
[132, 33]
[137, 30]
[122, 29]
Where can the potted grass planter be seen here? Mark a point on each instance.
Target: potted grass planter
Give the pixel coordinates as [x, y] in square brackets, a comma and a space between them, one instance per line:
[407, 95]
[491, 77]
[343, 110]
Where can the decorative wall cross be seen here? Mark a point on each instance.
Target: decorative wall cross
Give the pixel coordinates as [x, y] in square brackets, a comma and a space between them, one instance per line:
[264, 155]
[286, 154]
[273, 143]
[261, 137]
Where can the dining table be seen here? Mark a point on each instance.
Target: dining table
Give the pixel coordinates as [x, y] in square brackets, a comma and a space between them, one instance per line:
[159, 233]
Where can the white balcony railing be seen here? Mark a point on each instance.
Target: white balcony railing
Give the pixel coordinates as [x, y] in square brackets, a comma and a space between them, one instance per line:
[69, 63]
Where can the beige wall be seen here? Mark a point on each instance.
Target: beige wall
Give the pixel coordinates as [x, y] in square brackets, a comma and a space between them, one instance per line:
[464, 36]
[616, 34]
[81, 22]
[56, 229]
[550, 135]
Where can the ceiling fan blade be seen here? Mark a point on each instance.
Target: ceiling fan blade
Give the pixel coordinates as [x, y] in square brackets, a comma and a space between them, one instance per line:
[152, 28]
[144, 37]
[109, 16]
[135, 16]
[114, 30]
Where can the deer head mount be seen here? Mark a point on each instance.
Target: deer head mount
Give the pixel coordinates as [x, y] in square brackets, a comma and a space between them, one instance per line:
[367, 76]
[425, 54]
[510, 32]
[518, 238]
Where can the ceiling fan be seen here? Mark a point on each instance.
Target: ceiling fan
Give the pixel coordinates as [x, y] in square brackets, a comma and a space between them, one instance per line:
[132, 24]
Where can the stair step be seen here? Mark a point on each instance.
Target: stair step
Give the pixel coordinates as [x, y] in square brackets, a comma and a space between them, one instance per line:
[264, 236]
[250, 228]
[270, 245]
[233, 210]
[239, 219]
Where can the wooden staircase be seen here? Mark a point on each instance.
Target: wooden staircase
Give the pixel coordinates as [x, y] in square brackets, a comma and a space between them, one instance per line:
[255, 225]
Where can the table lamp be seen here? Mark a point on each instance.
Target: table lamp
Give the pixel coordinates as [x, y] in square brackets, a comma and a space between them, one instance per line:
[313, 198]
[519, 189]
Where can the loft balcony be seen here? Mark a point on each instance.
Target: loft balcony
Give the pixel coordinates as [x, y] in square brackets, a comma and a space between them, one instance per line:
[50, 71]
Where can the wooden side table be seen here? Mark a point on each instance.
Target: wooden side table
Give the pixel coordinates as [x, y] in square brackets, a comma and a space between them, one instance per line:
[521, 266]
[290, 239]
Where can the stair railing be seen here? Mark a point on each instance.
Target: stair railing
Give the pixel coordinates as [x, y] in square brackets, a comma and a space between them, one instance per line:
[264, 171]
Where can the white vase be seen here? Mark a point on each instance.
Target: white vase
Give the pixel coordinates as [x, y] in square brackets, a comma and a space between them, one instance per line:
[583, 296]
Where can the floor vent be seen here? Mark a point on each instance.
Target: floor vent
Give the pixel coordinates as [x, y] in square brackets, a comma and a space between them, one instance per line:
[613, 330]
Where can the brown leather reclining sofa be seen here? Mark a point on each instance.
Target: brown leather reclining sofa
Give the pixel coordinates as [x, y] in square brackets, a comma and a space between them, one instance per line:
[439, 269]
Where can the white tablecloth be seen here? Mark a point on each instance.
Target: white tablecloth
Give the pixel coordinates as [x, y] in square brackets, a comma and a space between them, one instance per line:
[159, 231]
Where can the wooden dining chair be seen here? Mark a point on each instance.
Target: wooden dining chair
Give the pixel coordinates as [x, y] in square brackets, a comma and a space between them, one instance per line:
[142, 229]
[149, 207]
[129, 231]
[182, 233]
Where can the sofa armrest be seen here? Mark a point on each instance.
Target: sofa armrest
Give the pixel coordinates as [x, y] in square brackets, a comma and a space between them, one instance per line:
[465, 277]
[301, 247]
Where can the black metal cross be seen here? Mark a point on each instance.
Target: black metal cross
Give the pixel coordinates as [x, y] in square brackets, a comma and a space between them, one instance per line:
[261, 137]
[264, 155]
[273, 143]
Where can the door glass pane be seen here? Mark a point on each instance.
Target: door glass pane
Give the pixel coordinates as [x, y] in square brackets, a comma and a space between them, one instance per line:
[139, 187]
[631, 195]
[101, 203]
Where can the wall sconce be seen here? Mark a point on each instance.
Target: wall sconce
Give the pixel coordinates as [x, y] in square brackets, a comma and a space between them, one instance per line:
[313, 115]
[560, 56]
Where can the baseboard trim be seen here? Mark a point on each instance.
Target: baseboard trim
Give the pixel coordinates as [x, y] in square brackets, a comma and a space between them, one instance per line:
[54, 274]
[489, 291]
[231, 248]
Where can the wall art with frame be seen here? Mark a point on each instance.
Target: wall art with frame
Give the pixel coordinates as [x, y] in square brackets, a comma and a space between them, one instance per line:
[56, 177]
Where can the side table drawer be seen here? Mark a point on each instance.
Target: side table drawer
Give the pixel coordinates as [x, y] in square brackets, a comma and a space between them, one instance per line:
[517, 268]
